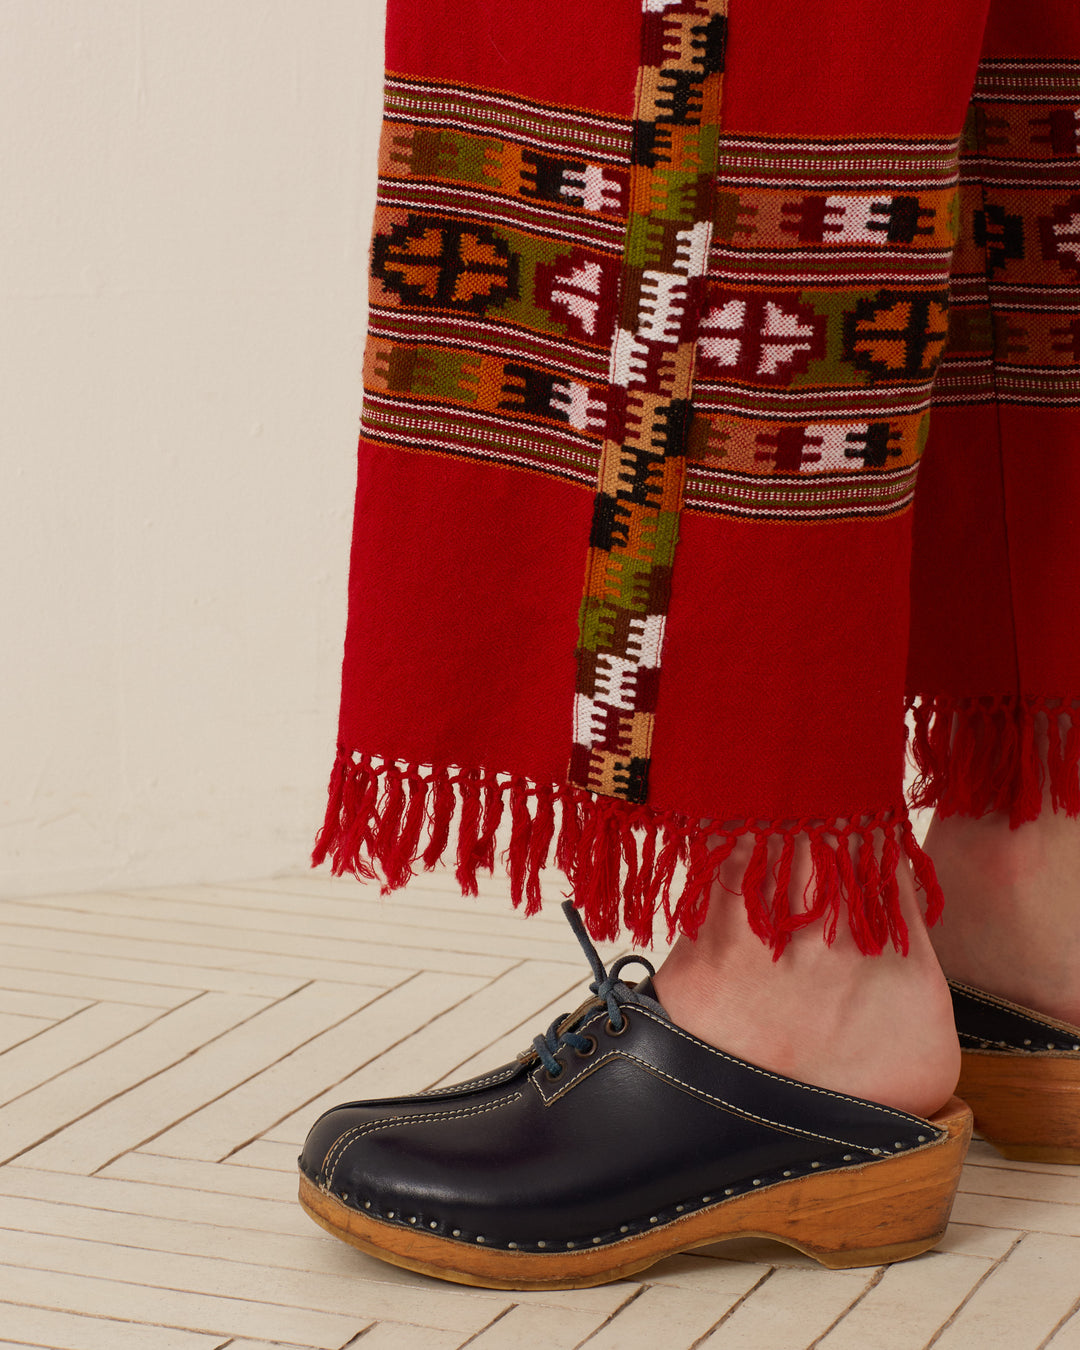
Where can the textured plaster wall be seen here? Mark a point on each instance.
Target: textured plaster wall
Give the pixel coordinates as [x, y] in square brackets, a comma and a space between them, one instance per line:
[184, 214]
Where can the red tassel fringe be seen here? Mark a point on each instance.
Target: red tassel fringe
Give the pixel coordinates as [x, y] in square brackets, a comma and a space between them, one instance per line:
[384, 819]
[980, 755]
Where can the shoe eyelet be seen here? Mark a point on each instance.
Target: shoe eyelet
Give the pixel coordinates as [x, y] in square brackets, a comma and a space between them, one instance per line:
[590, 1049]
[610, 1029]
[551, 1077]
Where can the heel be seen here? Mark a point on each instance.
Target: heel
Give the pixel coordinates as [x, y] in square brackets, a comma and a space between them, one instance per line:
[887, 1211]
[1026, 1105]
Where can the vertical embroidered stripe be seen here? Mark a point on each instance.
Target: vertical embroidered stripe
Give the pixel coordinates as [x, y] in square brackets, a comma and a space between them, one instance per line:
[643, 463]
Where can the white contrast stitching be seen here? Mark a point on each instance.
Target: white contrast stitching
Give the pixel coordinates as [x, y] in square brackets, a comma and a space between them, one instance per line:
[696, 1092]
[358, 1131]
[779, 1078]
[720, 1101]
[506, 1072]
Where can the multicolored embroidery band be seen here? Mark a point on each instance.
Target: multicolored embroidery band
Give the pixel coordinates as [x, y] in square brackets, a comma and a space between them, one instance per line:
[1015, 336]
[499, 235]
[827, 315]
[643, 468]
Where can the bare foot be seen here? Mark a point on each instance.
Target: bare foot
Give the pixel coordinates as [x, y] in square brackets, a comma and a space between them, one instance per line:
[877, 1027]
[1012, 916]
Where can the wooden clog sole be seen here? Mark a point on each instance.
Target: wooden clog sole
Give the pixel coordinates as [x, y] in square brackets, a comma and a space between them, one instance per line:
[862, 1216]
[1026, 1105]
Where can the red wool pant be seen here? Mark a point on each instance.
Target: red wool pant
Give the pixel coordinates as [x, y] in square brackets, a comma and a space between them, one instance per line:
[722, 388]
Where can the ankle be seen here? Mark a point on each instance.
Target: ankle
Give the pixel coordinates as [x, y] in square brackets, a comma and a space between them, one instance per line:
[1012, 900]
[875, 1027]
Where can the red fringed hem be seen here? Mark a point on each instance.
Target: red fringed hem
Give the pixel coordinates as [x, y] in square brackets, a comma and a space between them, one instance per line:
[1001, 753]
[624, 862]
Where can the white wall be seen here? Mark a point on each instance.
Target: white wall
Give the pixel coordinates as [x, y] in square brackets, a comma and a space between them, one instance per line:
[185, 199]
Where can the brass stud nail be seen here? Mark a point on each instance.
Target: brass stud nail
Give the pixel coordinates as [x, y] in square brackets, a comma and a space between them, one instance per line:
[457, 1232]
[512, 1246]
[730, 1190]
[849, 1157]
[480, 1238]
[433, 1224]
[679, 1209]
[787, 1174]
[389, 1213]
[625, 1228]
[569, 1245]
[541, 1244]
[815, 1164]
[653, 1219]
[757, 1181]
[922, 1138]
[596, 1241]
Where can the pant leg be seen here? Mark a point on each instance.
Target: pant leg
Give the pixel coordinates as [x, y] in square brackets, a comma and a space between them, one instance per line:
[658, 294]
[995, 653]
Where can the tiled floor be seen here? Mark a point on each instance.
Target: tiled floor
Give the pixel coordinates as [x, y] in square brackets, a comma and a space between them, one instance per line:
[164, 1052]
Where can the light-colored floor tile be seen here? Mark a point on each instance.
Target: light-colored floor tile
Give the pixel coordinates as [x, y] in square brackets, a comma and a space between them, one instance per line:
[216, 1178]
[304, 1250]
[205, 944]
[525, 1328]
[67, 966]
[399, 1336]
[967, 1239]
[676, 1318]
[1035, 1216]
[297, 1085]
[69, 1043]
[348, 900]
[367, 921]
[706, 1275]
[1068, 1336]
[1058, 1187]
[70, 1331]
[108, 1196]
[18, 1027]
[147, 1110]
[908, 1305]
[790, 1309]
[433, 1050]
[164, 1042]
[431, 1303]
[528, 1023]
[411, 1039]
[1023, 1298]
[172, 1307]
[31, 979]
[982, 1154]
[759, 1251]
[31, 1003]
[265, 1153]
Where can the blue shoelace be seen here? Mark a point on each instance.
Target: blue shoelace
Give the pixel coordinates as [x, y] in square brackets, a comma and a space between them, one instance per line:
[608, 988]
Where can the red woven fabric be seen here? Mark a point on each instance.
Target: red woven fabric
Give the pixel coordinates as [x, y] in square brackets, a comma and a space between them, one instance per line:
[633, 545]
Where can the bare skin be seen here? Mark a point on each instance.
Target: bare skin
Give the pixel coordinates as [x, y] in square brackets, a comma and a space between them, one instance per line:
[1010, 924]
[876, 1027]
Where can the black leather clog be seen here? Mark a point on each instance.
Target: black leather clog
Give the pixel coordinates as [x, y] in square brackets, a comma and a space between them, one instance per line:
[616, 1140]
[1021, 1075]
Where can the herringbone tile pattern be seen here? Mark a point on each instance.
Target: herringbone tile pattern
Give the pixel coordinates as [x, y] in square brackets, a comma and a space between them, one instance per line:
[162, 1053]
